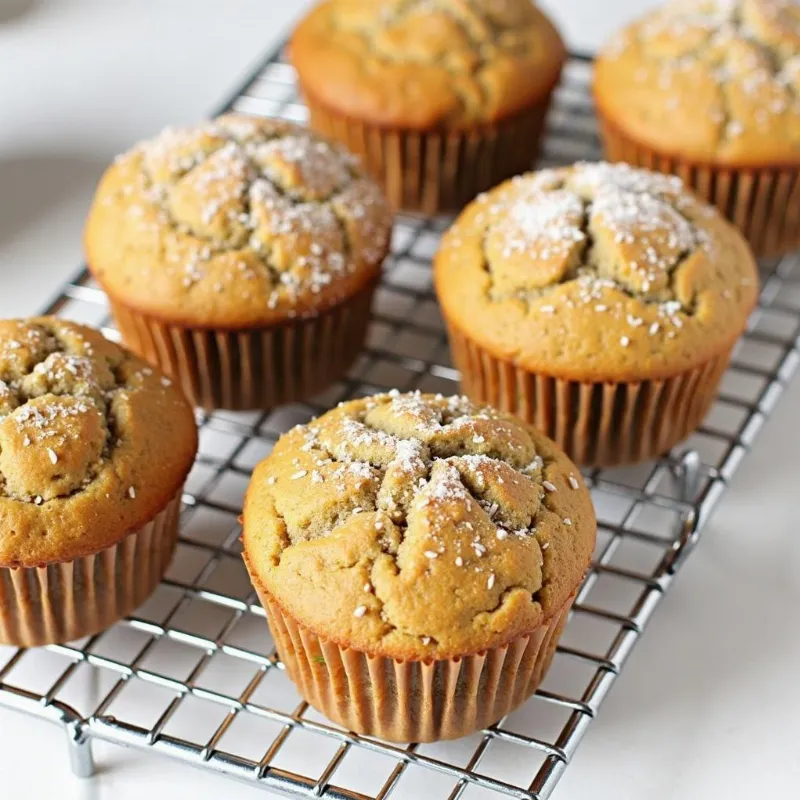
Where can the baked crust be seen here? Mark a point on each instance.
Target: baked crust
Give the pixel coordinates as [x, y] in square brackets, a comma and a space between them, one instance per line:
[94, 442]
[236, 223]
[424, 64]
[708, 81]
[417, 526]
[596, 272]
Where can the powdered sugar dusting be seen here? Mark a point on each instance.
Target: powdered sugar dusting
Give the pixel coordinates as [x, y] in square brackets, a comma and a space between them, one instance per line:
[40, 419]
[441, 483]
[63, 409]
[544, 224]
[299, 159]
[607, 230]
[743, 47]
[296, 211]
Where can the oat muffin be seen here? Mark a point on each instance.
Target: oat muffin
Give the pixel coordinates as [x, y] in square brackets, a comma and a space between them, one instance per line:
[599, 302]
[241, 255]
[95, 446]
[442, 98]
[417, 556]
[708, 89]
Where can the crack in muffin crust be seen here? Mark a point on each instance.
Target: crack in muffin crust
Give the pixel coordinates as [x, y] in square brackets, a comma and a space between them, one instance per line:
[239, 215]
[570, 271]
[417, 490]
[477, 59]
[482, 34]
[733, 67]
[271, 181]
[74, 456]
[53, 396]
[608, 227]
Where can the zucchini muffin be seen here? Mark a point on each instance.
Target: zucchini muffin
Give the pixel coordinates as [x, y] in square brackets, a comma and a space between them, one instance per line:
[599, 302]
[442, 98]
[417, 556]
[95, 446]
[241, 255]
[708, 89]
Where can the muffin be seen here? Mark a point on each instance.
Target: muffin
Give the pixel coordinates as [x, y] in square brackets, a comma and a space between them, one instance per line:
[441, 99]
[241, 256]
[599, 302]
[709, 91]
[95, 446]
[417, 557]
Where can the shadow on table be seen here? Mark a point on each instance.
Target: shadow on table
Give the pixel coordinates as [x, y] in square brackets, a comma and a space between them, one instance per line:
[11, 10]
[32, 184]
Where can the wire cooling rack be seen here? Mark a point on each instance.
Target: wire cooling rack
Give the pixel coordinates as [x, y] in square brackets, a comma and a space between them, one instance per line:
[194, 674]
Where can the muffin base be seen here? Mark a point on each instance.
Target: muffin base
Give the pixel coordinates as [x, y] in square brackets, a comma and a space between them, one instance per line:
[62, 602]
[763, 202]
[413, 701]
[600, 424]
[255, 368]
[437, 170]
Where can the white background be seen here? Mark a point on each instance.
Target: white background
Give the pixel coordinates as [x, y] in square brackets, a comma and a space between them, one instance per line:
[709, 701]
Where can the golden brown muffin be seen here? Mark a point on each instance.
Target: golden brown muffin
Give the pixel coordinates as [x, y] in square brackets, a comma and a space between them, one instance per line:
[599, 302]
[417, 556]
[241, 255]
[95, 446]
[708, 90]
[442, 98]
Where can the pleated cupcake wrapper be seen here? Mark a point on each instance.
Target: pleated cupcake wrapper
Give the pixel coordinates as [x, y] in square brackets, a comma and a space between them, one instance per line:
[413, 701]
[257, 368]
[595, 423]
[764, 203]
[65, 601]
[433, 171]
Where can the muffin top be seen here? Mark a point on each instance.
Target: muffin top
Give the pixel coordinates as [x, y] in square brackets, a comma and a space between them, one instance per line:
[596, 272]
[93, 442]
[236, 222]
[418, 526]
[419, 64]
[716, 81]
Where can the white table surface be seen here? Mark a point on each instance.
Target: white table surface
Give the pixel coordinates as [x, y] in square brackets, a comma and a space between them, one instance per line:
[707, 704]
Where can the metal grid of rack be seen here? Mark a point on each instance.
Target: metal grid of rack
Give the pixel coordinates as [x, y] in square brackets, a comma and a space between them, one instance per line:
[194, 674]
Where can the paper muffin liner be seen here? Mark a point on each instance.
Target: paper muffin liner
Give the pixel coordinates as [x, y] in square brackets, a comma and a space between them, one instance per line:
[254, 368]
[61, 602]
[763, 202]
[413, 701]
[599, 424]
[437, 170]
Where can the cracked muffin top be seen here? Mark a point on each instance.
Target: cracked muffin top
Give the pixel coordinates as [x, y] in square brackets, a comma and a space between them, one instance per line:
[418, 526]
[712, 80]
[596, 272]
[236, 222]
[94, 442]
[418, 64]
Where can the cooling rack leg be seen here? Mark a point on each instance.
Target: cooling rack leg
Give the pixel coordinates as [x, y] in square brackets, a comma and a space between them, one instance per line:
[80, 751]
[688, 476]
